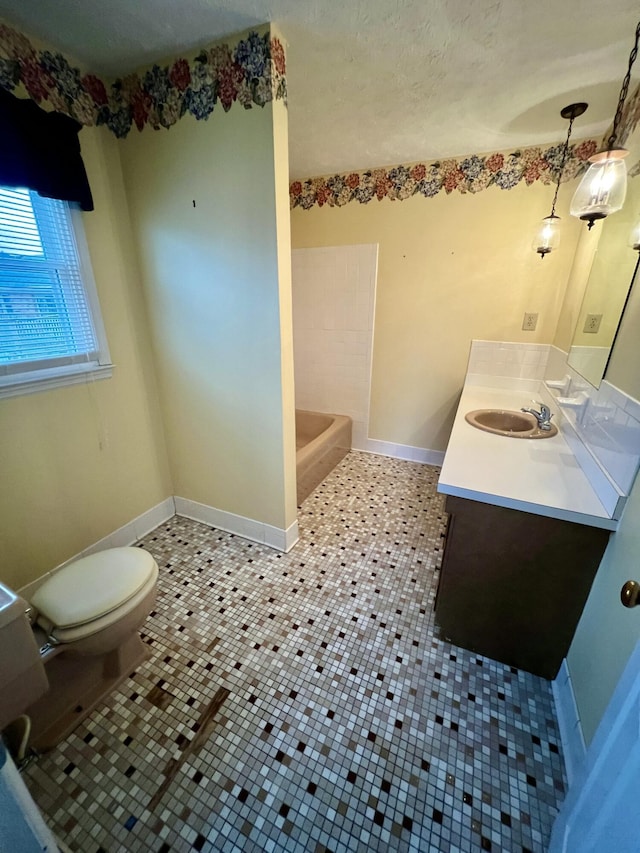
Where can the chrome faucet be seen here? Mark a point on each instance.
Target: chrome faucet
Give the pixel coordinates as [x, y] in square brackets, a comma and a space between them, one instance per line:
[543, 416]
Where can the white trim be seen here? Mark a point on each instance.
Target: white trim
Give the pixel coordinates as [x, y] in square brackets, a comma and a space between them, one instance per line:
[134, 529]
[281, 540]
[574, 749]
[89, 282]
[129, 533]
[19, 384]
[402, 451]
[16, 381]
[154, 517]
[137, 528]
[597, 815]
[248, 528]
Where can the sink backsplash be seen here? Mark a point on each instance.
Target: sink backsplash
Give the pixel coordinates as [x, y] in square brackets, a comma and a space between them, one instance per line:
[602, 425]
[606, 420]
[500, 360]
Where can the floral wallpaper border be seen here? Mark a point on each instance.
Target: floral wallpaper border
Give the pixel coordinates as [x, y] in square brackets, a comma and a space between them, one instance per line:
[467, 174]
[253, 71]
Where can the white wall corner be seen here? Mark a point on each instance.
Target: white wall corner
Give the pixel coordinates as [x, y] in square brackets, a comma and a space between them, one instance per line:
[403, 451]
[154, 517]
[281, 540]
[128, 534]
[139, 527]
[132, 530]
[239, 525]
[574, 749]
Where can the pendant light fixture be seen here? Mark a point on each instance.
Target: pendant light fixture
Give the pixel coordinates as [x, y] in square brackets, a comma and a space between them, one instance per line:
[547, 237]
[603, 188]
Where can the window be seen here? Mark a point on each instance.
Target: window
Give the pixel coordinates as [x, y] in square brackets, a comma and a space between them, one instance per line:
[51, 331]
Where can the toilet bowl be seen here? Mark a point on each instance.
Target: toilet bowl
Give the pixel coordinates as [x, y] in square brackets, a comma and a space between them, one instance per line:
[85, 619]
[89, 606]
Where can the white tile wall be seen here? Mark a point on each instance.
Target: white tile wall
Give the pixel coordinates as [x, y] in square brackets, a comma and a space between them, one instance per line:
[333, 313]
[513, 360]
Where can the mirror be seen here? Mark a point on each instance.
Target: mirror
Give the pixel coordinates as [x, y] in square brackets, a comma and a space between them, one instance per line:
[610, 279]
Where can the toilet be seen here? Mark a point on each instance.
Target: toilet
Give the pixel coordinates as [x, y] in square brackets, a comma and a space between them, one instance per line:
[83, 637]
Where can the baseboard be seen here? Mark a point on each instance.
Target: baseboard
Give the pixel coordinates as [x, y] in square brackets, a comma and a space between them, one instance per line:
[266, 534]
[129, 533]
[281, 539]
[248, 528]
[573, 745]
[133, 530]
[403, 451]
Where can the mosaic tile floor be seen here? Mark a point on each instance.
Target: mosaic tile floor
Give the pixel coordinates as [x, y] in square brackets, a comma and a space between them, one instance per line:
[304, 702]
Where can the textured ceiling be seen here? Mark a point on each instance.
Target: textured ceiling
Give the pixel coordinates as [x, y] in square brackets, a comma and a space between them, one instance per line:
[378, 82]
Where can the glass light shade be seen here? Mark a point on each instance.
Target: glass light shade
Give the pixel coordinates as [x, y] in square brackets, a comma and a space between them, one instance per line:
[603, 188]
[547, 237]
[634, 237]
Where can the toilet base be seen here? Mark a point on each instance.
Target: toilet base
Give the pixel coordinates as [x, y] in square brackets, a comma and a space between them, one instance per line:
[77, 686]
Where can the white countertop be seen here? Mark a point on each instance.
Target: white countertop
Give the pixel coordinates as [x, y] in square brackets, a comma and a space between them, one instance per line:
[541, 476]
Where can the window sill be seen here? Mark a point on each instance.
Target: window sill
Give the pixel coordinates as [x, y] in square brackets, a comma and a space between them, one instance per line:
[18, 384]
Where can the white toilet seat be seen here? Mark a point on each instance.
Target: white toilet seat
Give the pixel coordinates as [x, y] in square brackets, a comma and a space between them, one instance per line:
[93, 593]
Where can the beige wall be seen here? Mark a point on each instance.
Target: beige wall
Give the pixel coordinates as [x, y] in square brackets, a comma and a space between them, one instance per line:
[218, 295]
[79, 462]
[450, 268]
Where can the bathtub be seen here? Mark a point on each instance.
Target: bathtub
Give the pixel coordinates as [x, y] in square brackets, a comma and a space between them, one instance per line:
[321, 442]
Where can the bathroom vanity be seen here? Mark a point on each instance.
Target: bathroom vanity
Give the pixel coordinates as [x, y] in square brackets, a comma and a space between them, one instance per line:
[513, 584]
[525, 537]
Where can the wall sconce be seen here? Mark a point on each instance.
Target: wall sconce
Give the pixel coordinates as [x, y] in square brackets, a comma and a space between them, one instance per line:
[634, 237]
[603, 188]
[547, 237]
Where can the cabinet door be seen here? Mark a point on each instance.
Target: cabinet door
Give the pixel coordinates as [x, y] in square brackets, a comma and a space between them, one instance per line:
[513, 584]
[447, 533]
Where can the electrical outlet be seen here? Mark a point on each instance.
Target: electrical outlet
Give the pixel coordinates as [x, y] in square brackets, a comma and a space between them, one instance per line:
[592, 324]
[530, 322]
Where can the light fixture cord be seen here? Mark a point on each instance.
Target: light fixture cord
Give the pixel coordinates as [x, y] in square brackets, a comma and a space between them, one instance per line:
[564, 160]
[623, 92]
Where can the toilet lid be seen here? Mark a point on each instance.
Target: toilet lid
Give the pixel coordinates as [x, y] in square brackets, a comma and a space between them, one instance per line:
[93, 586]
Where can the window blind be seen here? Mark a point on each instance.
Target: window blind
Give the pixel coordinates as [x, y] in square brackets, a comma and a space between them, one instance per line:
[45, 318]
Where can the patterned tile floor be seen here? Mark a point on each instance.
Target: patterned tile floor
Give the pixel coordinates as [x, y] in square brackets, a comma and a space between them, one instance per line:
[304, 702]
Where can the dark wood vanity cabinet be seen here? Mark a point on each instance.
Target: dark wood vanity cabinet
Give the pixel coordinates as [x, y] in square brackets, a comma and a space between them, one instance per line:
[513, 584]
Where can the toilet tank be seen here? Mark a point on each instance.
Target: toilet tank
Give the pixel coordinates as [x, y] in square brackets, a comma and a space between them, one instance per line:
[22, 674]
